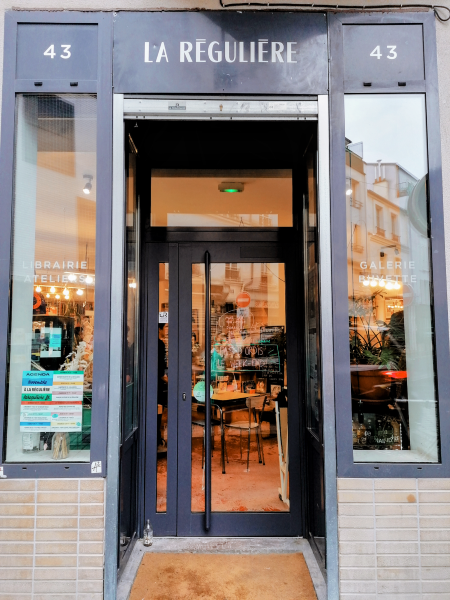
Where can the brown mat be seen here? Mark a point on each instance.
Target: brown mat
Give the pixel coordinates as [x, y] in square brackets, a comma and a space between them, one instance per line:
[223, 577]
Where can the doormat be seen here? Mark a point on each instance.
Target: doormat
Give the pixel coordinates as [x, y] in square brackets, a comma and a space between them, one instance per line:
[223, 577]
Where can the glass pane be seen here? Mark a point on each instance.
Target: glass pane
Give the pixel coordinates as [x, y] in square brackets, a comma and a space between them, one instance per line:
[389, 280]
[311, 269]
[163, 380]
[130, 417]
[221, 198]
[53, 279]
[247, 351]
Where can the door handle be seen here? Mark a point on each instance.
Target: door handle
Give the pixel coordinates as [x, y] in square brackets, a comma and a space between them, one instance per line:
[207, 391]
[184, 396]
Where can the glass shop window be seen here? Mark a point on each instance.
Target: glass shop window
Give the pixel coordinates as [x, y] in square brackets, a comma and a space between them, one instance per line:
[391, 332]
[51, 340]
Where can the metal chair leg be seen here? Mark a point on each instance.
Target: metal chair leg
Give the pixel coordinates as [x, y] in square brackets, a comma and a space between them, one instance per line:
[248, 448]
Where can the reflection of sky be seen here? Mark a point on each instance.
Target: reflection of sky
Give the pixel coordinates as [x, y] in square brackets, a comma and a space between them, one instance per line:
[392, 128]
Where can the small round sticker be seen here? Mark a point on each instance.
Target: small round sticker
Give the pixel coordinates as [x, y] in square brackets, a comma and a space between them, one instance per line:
[199, 391]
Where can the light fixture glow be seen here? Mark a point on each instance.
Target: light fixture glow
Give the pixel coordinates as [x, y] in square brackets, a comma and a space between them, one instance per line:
[88, 185]
[80, 292]
[366, 282]
[47, 295]
[231, 187]
[389, 286]
[52, 290]
[132, 284]
[349, 192]
[382, 283]
[397, 286]
[89, 279]
[72, 277]
[38, 289]
[373, 283]
[57, 296]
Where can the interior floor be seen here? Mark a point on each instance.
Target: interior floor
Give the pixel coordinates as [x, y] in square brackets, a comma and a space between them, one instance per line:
[236, 490]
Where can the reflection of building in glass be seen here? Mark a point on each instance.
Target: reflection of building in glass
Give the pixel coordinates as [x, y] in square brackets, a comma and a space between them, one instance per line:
[390, 334]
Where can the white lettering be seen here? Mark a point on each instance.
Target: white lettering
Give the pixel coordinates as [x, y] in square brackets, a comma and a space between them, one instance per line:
[147, 52]
[162, 53]
[290, 52]
[227, 52]
[35, 278]
[211, 53]
[261, 50]
[56, 265]
[38, 264]
[252, 51]
[380, 265]
[413, 278]
[27, 278]
[43, 278]
[276, 54]
[185, 48]
[363, 264]
[82, 277]
[390, 264]
[70, 264]
[411, 264]
[199, 51]
[47, 264]
[241, 53]
[83, 264]
[398, 265]
[373, 265]
[65, 279]
[361, 278]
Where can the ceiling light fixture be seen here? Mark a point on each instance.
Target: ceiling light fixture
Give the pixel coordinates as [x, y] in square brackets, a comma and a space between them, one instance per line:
[88, 185]
[231, 187]
[38, 289]
[349, 192]
[72, 277]
[80, 292]
[47, 295]
[57, 296]
[52, 290]
[89, 279]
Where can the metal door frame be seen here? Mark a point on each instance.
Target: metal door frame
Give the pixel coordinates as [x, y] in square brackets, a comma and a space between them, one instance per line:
[326, 341]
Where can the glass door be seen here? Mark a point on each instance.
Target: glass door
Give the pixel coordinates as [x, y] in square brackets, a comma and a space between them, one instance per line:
[234, 321]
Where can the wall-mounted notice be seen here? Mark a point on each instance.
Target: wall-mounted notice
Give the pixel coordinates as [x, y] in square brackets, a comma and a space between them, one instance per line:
[51, 401]
[51, 342]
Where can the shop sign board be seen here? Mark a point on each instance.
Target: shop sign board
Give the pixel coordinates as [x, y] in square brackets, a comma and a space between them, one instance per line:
[51, 401]
[56, 51]
[220, 52]
[383, 54]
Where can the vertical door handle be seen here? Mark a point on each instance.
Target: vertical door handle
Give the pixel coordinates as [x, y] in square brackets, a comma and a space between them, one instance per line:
[184, 396]
[207, 391]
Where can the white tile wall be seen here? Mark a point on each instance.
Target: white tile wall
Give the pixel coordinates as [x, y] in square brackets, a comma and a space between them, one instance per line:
[394, 539]
[51, 539]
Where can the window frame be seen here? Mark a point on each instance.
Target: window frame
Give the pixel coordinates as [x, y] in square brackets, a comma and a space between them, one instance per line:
[103, 90]
[429, 87]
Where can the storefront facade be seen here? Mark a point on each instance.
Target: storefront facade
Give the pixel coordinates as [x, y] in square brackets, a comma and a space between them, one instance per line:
[262, 187]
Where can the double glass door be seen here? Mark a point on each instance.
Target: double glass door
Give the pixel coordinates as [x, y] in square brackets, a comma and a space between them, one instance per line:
[223, 314]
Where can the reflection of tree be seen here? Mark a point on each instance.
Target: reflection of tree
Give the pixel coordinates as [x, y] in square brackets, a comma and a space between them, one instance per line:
[370, 340]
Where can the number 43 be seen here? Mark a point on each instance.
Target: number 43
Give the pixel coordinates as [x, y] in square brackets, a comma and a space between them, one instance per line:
[51, 51]
[377, 52]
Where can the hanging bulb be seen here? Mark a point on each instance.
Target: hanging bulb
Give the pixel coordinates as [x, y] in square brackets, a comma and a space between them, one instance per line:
[57, 296]
[65, 292]
[382, 283]
[366, 282]
[72, 277]
[38, 289]
[373, 283]
[397, 286]
[389, 286]
[52, 290]
[47, 295]
[89, 279]
[80, 292]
